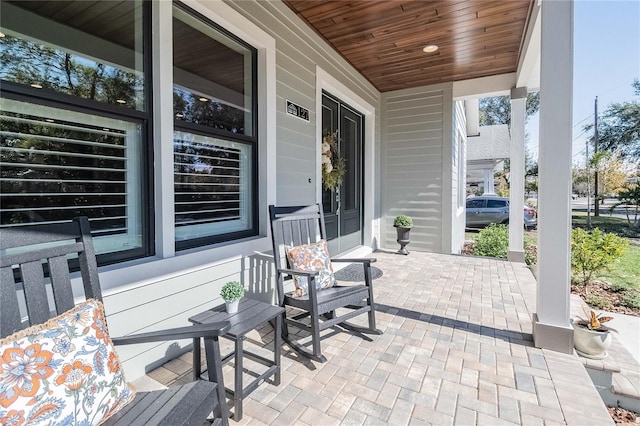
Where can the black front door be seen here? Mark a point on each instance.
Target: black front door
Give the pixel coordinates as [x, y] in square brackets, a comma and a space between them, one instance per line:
[343, 205]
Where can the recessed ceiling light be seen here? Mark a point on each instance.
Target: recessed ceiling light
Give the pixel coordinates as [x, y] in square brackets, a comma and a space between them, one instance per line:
[2, 34]
[106, 129]
[430, 48]
[48, 120]
[203, 99]
[121, 101]
[179, 115]
[36, 86]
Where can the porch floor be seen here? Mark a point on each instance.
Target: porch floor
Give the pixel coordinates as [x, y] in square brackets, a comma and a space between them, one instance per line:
[456, 349]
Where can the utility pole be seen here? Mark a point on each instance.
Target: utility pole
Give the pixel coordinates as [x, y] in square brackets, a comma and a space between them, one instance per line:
[596, 209]
[588, 166]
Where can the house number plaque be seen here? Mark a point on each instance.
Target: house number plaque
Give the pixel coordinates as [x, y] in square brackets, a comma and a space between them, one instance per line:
[297, 111]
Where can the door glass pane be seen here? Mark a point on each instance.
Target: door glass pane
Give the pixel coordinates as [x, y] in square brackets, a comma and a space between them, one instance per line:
[329, 126]
[349, 145]
[88, 49]
[212, 75]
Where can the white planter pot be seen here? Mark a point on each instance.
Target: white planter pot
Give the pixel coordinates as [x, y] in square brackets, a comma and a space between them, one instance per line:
[232, 306]
[591, 343]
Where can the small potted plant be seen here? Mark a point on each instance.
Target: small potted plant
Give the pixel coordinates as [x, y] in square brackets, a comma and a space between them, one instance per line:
[403, 225]
[590, 337]
[231, 293]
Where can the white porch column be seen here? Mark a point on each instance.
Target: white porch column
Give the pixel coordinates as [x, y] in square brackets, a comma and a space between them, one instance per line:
[551, 326]
[489, 183]
[516, 175]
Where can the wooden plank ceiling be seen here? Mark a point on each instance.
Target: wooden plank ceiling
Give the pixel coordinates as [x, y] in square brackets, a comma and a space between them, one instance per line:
[384, 39]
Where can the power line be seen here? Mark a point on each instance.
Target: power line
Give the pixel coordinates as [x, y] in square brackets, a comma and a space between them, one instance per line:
[583, 120]
[576, 138]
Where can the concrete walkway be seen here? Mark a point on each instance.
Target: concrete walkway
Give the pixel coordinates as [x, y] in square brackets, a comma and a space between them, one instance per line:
[456, 349]
[628, 328]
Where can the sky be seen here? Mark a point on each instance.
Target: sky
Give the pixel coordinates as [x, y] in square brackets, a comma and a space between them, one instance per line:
[606, 59]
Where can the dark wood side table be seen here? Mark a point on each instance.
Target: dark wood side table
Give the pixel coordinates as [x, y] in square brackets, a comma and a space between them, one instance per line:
[251, 314]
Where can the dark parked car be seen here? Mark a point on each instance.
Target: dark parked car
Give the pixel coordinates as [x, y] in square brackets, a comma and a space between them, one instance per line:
[485, 210]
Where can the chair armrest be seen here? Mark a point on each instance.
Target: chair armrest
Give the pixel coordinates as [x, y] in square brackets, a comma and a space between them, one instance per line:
[189, 332]
[298, 272]
[363, 260]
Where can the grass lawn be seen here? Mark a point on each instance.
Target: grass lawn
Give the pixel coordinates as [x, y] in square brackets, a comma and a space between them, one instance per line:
[606, 223]
[626, 272]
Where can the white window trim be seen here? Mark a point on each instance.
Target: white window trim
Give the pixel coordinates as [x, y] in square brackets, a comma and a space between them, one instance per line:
[462, 169]
[166, 263]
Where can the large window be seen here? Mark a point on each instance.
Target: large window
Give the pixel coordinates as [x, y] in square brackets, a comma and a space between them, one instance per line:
[215, 132]
[74, 120]
[76, 124]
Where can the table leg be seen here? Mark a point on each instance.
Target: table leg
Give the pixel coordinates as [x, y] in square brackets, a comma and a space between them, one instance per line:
[238, 390]
[197, 369]
[277, 348]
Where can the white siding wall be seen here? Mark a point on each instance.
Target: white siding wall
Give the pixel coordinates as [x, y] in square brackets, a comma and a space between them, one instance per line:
[299, 50]
[458, 178]
[160, 292]
[416, 142]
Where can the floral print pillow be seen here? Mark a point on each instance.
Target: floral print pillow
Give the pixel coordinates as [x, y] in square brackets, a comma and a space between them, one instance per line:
[62, 372]
[311, 257]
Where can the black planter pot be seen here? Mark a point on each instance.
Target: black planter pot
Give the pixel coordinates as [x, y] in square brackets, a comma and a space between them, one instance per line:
[403, 239]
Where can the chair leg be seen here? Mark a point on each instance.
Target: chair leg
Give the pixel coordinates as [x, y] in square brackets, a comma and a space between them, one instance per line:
[372, 317]
[372, 305]
[214, 368]
[315, 334]
[303, 351]
[285, 327]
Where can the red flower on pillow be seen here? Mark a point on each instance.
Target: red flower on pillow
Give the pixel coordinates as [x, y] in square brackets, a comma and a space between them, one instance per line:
[21, 371]
[73, 375]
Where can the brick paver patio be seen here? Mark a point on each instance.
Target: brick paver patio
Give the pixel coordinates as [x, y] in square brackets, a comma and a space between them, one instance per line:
[456, 349]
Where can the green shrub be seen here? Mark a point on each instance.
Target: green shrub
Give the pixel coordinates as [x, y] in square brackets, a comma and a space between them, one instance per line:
[403, 221]
[597, 301]
[493, 241]
[631, 300]
[594, 252]
[618, 288]
[530, 250]
[232, 290]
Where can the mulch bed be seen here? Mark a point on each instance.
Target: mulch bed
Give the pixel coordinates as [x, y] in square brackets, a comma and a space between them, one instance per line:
[623, 417]
[602, 290]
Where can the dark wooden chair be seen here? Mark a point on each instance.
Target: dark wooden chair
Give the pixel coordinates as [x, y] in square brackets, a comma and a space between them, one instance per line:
[189, 405]
[293, 226]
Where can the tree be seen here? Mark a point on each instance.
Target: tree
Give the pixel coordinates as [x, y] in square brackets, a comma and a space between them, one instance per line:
[613, 177]
[580, 180]
[497, 109]
[619, 127]
[629, 197]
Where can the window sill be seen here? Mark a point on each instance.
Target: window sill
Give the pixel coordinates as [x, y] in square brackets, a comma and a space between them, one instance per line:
[140, 272]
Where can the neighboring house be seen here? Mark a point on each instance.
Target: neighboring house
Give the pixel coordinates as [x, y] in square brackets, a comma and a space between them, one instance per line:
[486, 153]
[173, 125]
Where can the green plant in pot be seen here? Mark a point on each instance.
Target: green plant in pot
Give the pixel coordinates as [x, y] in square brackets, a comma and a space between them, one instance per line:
[231, 293]
[591, 337]
[403, 225]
